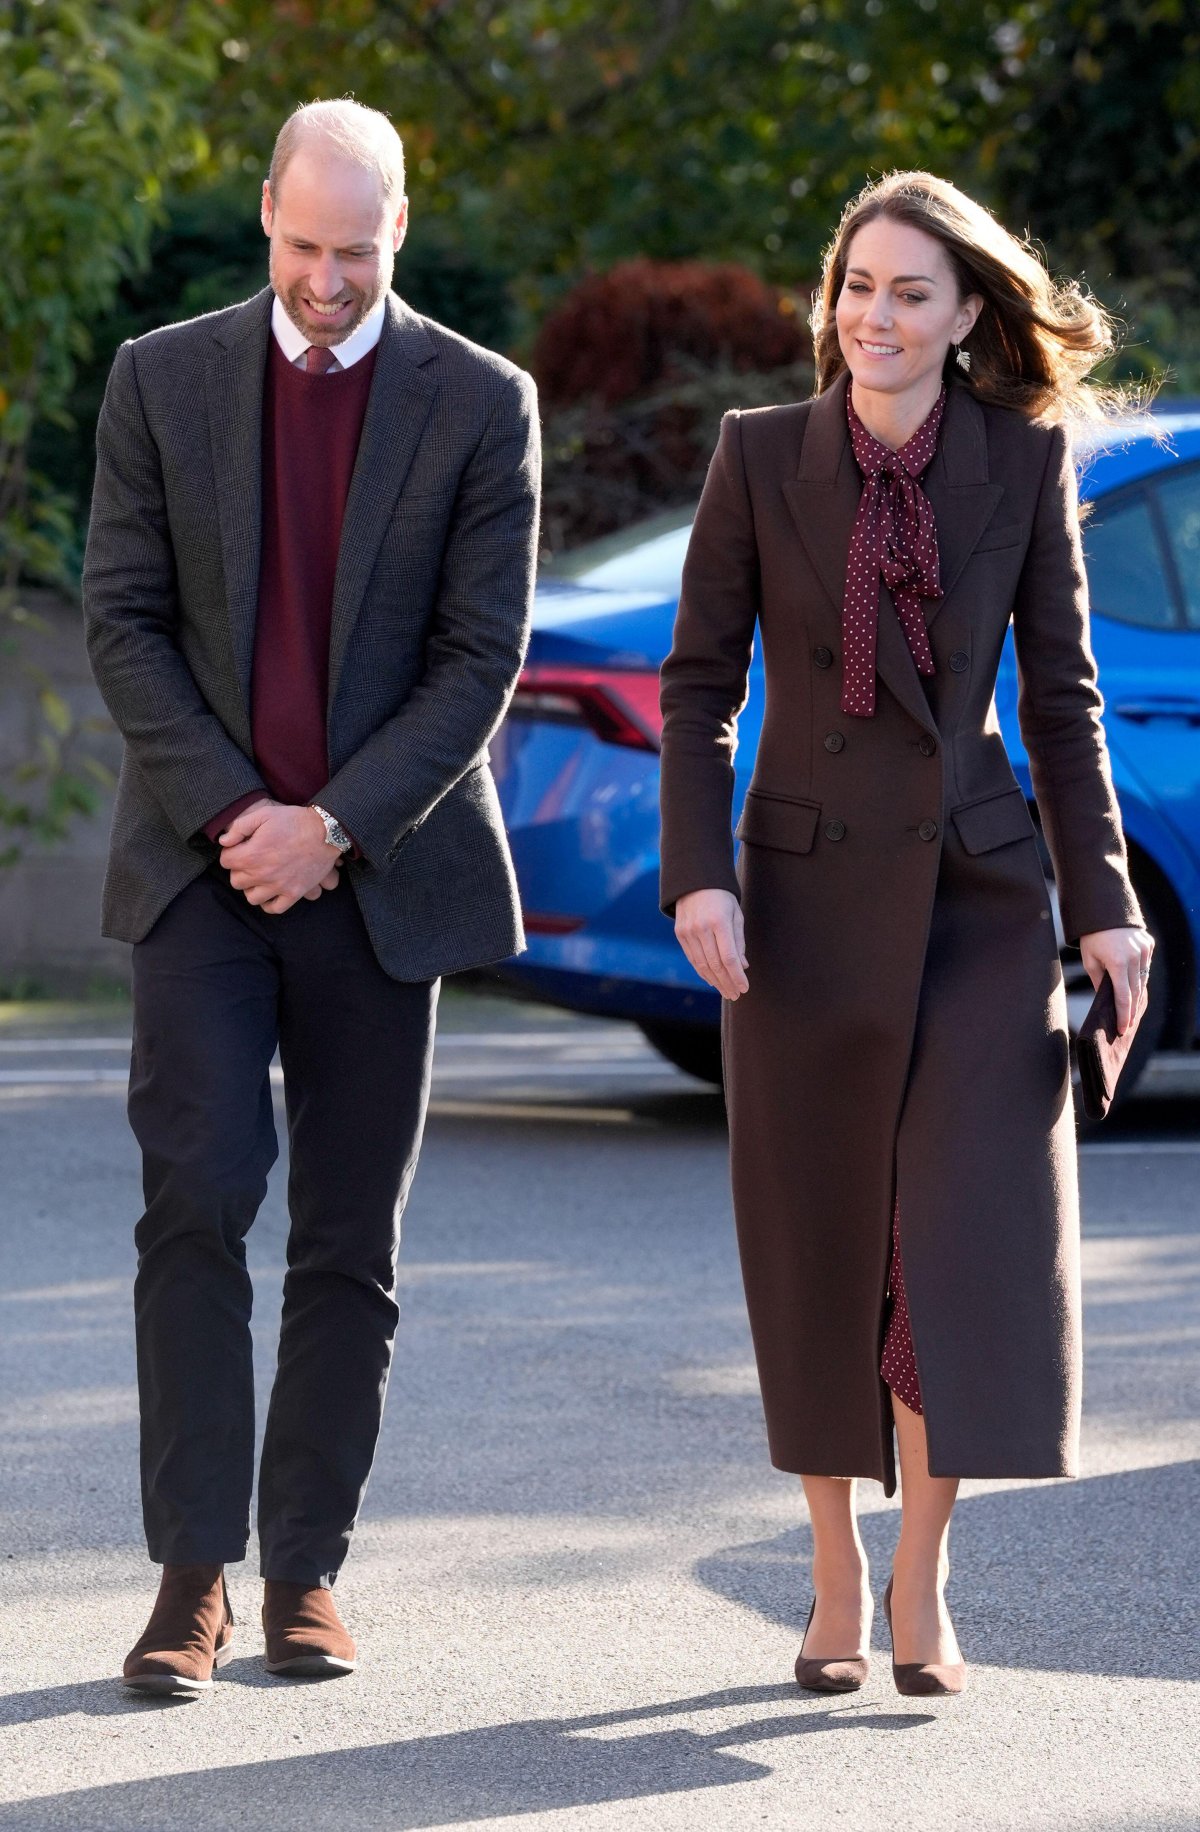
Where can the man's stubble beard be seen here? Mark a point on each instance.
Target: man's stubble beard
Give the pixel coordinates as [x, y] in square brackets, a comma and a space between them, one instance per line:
[291, 302]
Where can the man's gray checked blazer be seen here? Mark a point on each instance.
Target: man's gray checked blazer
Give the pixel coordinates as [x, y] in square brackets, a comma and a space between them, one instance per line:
[430, 622]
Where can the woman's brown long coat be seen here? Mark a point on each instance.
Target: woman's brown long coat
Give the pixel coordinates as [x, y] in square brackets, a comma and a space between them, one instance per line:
[905, 1029]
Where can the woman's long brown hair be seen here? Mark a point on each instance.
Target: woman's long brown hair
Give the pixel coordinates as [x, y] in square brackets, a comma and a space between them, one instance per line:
[1036, 340]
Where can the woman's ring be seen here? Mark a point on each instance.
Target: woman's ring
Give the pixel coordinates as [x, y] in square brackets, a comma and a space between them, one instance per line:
[1144, 973]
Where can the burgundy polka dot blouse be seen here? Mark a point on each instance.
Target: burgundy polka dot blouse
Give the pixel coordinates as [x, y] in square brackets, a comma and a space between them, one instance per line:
[894, 539]
[899, 1364]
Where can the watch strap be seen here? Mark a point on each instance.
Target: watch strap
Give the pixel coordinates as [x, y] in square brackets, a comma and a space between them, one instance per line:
[335, 833]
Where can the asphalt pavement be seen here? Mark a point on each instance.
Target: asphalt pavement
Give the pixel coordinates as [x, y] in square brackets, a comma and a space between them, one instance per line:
[578, 1588]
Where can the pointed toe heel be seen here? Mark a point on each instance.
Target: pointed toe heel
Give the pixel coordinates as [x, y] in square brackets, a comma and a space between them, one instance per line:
[923, 1679]
[845, 1674]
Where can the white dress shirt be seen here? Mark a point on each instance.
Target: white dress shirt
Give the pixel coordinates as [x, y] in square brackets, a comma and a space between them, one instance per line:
[361, 341]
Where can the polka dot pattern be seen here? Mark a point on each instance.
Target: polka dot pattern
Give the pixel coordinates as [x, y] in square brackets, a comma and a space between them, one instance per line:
[899, 1364]
[894, 539]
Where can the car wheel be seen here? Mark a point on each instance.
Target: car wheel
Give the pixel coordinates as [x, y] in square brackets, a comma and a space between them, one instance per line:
[694, 1048]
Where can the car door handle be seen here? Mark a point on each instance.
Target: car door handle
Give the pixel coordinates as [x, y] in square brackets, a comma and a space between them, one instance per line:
[1141, 712]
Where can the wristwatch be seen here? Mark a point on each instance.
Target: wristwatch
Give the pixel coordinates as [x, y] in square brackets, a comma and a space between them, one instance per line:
[335, 833]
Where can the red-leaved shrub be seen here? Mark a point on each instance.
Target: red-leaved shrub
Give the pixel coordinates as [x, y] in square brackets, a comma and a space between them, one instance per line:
[646, 324]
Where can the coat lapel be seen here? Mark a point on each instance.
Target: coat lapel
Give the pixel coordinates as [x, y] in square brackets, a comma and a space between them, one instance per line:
[824, 499]
[402, 392]
[957, 486]
[234, 391]
[824, 495]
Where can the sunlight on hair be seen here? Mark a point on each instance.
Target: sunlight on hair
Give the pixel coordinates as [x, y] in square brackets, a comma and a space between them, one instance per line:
[1037, 341]
[361, 135]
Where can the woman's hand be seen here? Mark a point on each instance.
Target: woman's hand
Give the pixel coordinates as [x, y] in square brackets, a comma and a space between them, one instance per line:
[711, 932]
[1124, 954]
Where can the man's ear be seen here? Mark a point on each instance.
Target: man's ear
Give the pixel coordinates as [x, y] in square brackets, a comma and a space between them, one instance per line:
[267, 211]
[400, 227]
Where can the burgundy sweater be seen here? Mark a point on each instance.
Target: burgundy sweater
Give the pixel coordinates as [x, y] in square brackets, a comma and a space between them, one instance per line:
[311, 429]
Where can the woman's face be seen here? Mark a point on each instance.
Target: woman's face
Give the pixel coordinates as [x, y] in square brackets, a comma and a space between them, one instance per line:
[899, 309]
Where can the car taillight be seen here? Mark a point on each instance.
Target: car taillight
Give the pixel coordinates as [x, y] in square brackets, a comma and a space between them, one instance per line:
[619, 704]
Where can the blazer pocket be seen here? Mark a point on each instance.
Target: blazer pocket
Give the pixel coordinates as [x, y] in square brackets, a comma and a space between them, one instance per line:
[996, 820]
[778, 821]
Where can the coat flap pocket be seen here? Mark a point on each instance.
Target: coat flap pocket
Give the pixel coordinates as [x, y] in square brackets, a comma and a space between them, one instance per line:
[773, 820]
[992, 539]
[997, 820]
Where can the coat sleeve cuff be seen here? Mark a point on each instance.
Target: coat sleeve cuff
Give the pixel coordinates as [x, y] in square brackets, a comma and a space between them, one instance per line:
[213, 829]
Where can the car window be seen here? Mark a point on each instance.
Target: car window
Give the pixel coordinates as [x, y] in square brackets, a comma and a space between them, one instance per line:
[1179, 498]
[1126, 575]
[645, 558]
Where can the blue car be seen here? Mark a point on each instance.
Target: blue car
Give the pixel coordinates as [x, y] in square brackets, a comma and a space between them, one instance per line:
[576, 760]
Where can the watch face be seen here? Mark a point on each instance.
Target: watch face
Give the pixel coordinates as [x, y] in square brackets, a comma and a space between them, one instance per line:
[335, 833]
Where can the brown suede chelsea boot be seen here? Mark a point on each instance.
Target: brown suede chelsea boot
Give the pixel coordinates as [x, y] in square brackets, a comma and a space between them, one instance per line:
[305, 1635]
[190, 1632]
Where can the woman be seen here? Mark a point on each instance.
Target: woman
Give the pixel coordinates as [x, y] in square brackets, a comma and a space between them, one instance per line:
[895, 1029]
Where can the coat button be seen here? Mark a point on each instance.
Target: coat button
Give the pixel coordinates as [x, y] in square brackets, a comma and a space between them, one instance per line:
[960, 661]
[823, 657]
[927, 745]
[928, 830]
[835, 830]
[834, 741]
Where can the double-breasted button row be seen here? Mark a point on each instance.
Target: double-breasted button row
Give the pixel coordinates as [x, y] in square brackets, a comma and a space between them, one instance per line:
[836, 830]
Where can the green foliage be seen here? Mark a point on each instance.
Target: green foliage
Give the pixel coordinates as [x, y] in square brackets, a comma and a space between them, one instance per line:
[90, 128]
[97, 112]
[1103, 153]
[208, 251]
[560, 137]
[578, 135]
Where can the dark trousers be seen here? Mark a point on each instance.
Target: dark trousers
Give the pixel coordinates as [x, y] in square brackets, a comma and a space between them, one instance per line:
[217, 986]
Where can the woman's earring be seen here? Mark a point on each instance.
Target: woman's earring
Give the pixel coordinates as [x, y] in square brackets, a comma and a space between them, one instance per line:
[962, 358]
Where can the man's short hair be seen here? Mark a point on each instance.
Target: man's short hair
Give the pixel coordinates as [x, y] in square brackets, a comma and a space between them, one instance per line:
[362, 135]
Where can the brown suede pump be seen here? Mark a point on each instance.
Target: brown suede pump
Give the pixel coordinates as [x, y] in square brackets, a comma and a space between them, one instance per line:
[306, 1638]
[190, 1632]
[923, 1679]
[845, 1674]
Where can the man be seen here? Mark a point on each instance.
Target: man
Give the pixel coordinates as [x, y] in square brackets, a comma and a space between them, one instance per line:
[307, 593]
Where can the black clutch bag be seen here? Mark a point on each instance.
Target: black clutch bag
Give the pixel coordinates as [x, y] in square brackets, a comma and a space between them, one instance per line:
[1100, 1052]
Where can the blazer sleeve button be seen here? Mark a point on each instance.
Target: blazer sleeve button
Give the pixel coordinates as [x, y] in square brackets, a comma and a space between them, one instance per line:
[823, 657]
[834, 741]
[960, 661]
[928, 830]
[835, 830]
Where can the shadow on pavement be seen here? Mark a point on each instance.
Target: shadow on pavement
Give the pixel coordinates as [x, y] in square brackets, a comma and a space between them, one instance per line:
[1092, 1576]
[539, 1765]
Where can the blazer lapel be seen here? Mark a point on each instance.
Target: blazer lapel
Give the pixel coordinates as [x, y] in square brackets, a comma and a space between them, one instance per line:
[957, 486]
[402, 392]
[233, 384]
[824, 501]
[824, 495]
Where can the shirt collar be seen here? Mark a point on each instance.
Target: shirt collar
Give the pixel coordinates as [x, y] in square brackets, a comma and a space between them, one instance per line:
[351, 350]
